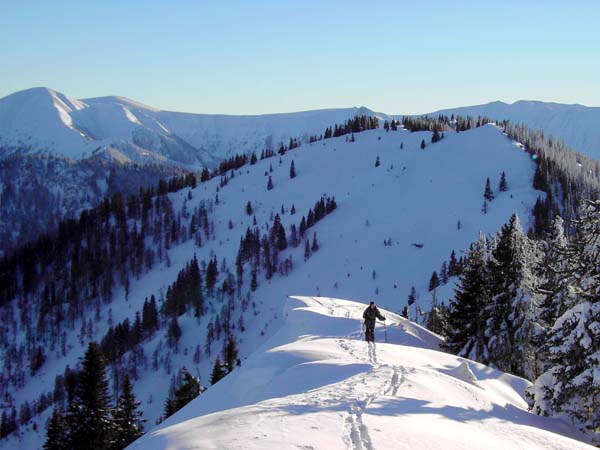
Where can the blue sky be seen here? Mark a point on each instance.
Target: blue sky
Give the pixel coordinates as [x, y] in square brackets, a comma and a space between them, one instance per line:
[253, 57]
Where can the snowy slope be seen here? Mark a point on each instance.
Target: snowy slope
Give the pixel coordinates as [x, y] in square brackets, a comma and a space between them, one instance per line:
[41, 119]
[224, 135]
[414, 197]
[316, 385]
[576, 125]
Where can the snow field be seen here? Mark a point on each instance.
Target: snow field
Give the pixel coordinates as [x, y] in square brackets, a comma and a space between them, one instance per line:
[338, 392]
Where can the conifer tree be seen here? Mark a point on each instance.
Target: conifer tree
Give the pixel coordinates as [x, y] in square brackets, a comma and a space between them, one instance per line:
[217, 372]
[558, 258]
[502, 187]
[434, 281]
[230, 353]
[293, 236]
[269, 184]
[315, 244]
[249, 210]
[444, 273]
[212, 272]
[377, 163]
[412, 297]
[467, 314]
[277, 234]
[88, 416]
[174, 333]
[127, 417]
[513, 310]
[488, 194]
[453, 265]
[405, 312]
[302, 228]
[570, 385]
[436, 318]
[306, 250]
[56, 433]
[188, 389]
[423, 145]
[292, 170]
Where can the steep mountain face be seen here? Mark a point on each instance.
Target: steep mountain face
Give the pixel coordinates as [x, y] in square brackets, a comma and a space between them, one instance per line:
[38, 191]
[400, 212]
[315, 384]
[577, 125]
[43, 120]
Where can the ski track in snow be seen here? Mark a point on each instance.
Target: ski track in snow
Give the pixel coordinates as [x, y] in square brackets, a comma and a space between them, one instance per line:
[324, 387]
[356, 432]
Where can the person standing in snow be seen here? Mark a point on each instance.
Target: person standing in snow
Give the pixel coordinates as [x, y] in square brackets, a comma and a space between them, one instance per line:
[370, 314]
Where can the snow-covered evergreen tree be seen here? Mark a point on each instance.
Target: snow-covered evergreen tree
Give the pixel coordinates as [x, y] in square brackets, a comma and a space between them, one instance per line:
[571, 385]
[555, 268]
[465, 332]
[512, 312]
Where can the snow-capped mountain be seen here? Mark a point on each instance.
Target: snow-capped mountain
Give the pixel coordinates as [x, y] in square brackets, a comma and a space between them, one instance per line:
[401, 210]
[577, 126]
[43, 120]
[316, 385]
[76, 145]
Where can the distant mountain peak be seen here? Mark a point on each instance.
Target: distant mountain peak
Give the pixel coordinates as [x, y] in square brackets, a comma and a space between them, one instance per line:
[116, 99]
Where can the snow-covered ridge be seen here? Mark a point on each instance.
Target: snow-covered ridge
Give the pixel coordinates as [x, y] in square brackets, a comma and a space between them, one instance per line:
[44, 120]
[577, 126]
[317, 385]
[429, 197]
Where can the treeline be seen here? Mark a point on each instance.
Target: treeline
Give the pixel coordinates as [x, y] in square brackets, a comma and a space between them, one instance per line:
[530, 307]
[57, 188]
[354, 125]
[59, 279]
[443, 123]
[230, 164]
[565, 176]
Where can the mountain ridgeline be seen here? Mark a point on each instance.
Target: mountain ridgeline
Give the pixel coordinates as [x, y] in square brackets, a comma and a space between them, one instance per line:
[141, 273]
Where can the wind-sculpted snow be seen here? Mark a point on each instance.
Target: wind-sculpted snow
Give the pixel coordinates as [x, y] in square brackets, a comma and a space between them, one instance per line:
[317, 385]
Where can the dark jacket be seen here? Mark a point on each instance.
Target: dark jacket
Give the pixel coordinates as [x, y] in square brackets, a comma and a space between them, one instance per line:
[370, 315]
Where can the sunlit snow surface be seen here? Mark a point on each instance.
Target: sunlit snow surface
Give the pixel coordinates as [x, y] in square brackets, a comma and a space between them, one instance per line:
[317, 385]
[414, 197]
